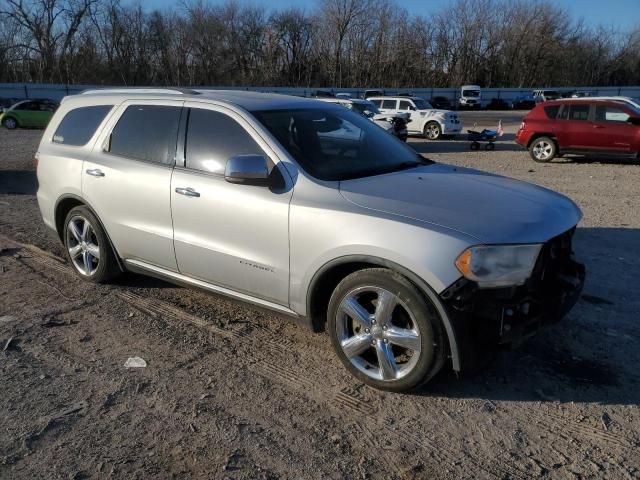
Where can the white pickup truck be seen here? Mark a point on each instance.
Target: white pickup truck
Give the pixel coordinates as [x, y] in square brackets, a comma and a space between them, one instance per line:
[424, 119]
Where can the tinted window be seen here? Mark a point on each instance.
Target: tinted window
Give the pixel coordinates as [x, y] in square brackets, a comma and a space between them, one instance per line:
[79, 125]
[27, 106]
[147, 132]
[213, 138]
[404, 105]
[552, 111]
[390, 104]
[47, 107]
[610, 114]
[579, 112]
[377, 103]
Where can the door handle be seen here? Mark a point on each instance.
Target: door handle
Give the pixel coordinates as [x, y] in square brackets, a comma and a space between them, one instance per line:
[95, 172]
[187, 192]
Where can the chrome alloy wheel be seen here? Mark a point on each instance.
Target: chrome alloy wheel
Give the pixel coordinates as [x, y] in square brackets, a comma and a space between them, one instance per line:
[542, 150]
[433, 131]
[82, 244]
[378, 333]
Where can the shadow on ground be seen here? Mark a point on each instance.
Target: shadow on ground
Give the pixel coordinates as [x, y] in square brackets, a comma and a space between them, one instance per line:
[18, 182]
[590, 356]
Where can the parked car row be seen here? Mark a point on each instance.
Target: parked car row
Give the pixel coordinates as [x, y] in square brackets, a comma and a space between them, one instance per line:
[395, 123]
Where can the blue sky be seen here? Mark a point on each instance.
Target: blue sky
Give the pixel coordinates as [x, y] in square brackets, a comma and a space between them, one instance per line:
[622, 14]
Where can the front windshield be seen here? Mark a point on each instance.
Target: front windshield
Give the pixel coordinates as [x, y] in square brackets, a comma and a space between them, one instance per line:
[364, 108]
[471, 93]
[421, 104]
[338, 144]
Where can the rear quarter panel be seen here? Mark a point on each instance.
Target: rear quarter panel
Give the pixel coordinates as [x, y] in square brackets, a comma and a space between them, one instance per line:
[60, 166]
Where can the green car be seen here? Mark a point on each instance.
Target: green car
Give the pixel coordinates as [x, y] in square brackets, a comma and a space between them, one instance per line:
[28, 113]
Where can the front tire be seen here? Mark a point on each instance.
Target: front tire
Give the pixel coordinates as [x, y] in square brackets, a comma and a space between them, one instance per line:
[10, 123]
[432, 131]
[543, 149]
[384, 331]
[88, 247]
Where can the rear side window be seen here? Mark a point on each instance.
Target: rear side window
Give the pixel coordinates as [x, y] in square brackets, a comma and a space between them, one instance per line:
[579, 112]
[79, 124]
[147, 132]
[610, 114]
[552, 111]
[213, 138]
[390, 104]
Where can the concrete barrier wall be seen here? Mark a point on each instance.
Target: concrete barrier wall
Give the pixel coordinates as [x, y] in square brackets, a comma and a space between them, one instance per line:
[57, 91]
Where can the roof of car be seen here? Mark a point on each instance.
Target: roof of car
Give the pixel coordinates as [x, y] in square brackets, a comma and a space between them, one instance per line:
[244, 99]
[393, 97]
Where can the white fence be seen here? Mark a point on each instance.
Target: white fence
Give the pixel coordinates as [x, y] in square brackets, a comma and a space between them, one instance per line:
[57, 91]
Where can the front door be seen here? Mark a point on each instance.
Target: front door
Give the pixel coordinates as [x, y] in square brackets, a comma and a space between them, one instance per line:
[127, 180]
[611, 129]
[232, 235]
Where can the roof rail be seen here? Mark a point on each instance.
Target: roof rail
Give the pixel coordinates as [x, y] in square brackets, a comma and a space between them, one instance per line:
[166, 91]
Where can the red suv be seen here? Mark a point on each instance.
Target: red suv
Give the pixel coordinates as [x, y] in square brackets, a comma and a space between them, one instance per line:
[580, 126]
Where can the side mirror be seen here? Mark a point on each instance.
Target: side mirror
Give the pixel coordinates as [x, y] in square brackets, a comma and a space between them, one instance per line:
[247, 170]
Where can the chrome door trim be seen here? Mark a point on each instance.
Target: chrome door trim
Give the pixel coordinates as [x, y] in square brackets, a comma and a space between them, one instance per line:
[177, 277]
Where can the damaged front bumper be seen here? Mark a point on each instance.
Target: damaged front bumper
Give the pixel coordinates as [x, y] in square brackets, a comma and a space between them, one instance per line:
[509, 315]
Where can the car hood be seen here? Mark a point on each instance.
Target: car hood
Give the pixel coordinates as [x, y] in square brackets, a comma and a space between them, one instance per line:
[490, 208]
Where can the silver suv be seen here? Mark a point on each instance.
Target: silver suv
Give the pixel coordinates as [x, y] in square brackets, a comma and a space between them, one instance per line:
[313, 211]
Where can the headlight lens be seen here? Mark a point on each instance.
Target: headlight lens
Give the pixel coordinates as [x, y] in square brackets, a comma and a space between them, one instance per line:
[498, 265]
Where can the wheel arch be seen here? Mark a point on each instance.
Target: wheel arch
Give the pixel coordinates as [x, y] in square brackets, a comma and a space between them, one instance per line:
[537, 135]
[11, 116]
[331, 273]
[63, 206]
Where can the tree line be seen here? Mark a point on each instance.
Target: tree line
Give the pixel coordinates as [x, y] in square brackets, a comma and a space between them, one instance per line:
[337, 43]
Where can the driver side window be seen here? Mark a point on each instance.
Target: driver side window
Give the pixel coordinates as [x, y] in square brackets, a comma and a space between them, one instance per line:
[406, 105]
[213, 138]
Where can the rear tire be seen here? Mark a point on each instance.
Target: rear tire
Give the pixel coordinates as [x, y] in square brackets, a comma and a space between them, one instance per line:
[10, 123]
[384, 330]
[88, 247]
[432, 131]
[543, 149]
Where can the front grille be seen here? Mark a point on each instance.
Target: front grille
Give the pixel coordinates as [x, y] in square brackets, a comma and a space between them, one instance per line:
[553, 259]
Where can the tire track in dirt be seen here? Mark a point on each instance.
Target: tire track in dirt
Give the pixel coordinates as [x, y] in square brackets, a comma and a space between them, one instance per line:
[262, 357]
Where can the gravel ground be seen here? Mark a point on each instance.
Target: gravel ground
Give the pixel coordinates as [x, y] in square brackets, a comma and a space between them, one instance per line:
[230, 392]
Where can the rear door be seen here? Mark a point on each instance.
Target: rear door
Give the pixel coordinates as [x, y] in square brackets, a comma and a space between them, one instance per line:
[389, 105]
[573, 128]
[611, 129]
[127, 180]
[232, 235]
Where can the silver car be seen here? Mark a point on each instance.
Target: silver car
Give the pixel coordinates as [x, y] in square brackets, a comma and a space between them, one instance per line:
[311, 210]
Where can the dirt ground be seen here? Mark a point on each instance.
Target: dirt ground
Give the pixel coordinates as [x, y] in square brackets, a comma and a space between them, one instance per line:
[231, 392]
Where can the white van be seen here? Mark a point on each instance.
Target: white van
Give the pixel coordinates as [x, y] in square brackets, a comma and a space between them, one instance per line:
[470, 96]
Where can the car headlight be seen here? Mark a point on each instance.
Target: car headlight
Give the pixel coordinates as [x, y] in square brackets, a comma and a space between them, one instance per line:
[498, 265]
